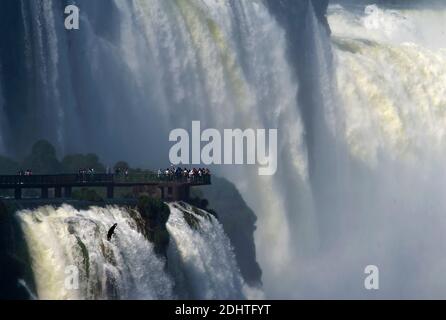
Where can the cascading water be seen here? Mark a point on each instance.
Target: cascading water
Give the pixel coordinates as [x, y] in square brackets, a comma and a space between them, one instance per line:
[191, 60]
[202, 257]
[41, 49]
[2, 113]
[391, 66]
[360, 167]
[389, 70]
[124, 268]
[201, 263]
[159, 65]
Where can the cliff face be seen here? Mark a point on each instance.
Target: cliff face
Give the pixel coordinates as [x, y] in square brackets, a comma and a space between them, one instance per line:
[293, 11]
[155, 214]
[239, 223]
[14, 264]
[16, 277]
[150, 217]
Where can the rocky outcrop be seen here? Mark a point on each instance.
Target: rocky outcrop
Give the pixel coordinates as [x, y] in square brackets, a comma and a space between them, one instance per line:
[239, 223]
[14, 265]
[151, 217]
[155, 214]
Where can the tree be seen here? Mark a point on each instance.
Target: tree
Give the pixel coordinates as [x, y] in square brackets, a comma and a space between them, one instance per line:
[121, 165]
[72, 163]
[43, 159]
[8, 166]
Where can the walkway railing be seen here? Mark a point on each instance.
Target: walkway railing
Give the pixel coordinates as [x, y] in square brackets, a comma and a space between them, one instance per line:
[172, 187]
[89, 178]
[60, 179]
[163, 178]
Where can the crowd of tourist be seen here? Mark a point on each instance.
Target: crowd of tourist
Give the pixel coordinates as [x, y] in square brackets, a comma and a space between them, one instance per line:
[25, 173]
[84, 171]
[177, 173]
[172, 173]
[121, 172]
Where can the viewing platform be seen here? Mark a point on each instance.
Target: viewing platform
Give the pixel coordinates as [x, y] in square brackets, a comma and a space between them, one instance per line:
[172, 188]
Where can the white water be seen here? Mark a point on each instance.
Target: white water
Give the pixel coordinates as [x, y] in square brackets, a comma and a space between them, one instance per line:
[159, 66]
[125, 268]
[382, 202]
[2, 112]
[40, 39]
[203, 260]
[391, 77]
[389, 73]
[24, 285]
[214, 61]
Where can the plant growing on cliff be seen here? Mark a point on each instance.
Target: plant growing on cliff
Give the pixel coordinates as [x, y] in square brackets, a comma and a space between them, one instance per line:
[156, 214]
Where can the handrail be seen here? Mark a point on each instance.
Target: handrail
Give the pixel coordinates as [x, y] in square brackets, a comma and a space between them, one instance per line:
[163, 178]
[99, 178]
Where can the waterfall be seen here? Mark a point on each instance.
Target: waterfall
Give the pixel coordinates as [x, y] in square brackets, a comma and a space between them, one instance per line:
[388, 66]
[41, 51]
[61, 238]
[203, 259]
[2, 113]
[158, 65]
[390, 78]
[23, 284]
[201, 262]
[360, 173]
[161, 64]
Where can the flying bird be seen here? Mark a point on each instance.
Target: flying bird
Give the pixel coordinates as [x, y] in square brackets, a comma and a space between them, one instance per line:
[111, 232]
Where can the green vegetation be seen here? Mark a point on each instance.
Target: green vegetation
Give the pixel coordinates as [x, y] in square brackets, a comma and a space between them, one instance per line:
[72, 163]
[199, 208]
[8, 166]
[191, 220]
[153, 209]
[198, 201]
[155, 214]
[87, 194]
[237, 218]
[86, 256]
[121, 165]
[43, 159]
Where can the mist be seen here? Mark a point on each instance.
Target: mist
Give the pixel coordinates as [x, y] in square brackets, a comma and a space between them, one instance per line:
[355, 89]
[381, 202]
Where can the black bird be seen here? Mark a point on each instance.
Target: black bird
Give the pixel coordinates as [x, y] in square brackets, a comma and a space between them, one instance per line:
[111, 232]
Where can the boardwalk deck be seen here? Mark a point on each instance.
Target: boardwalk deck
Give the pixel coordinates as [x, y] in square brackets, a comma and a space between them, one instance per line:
[176, 188]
